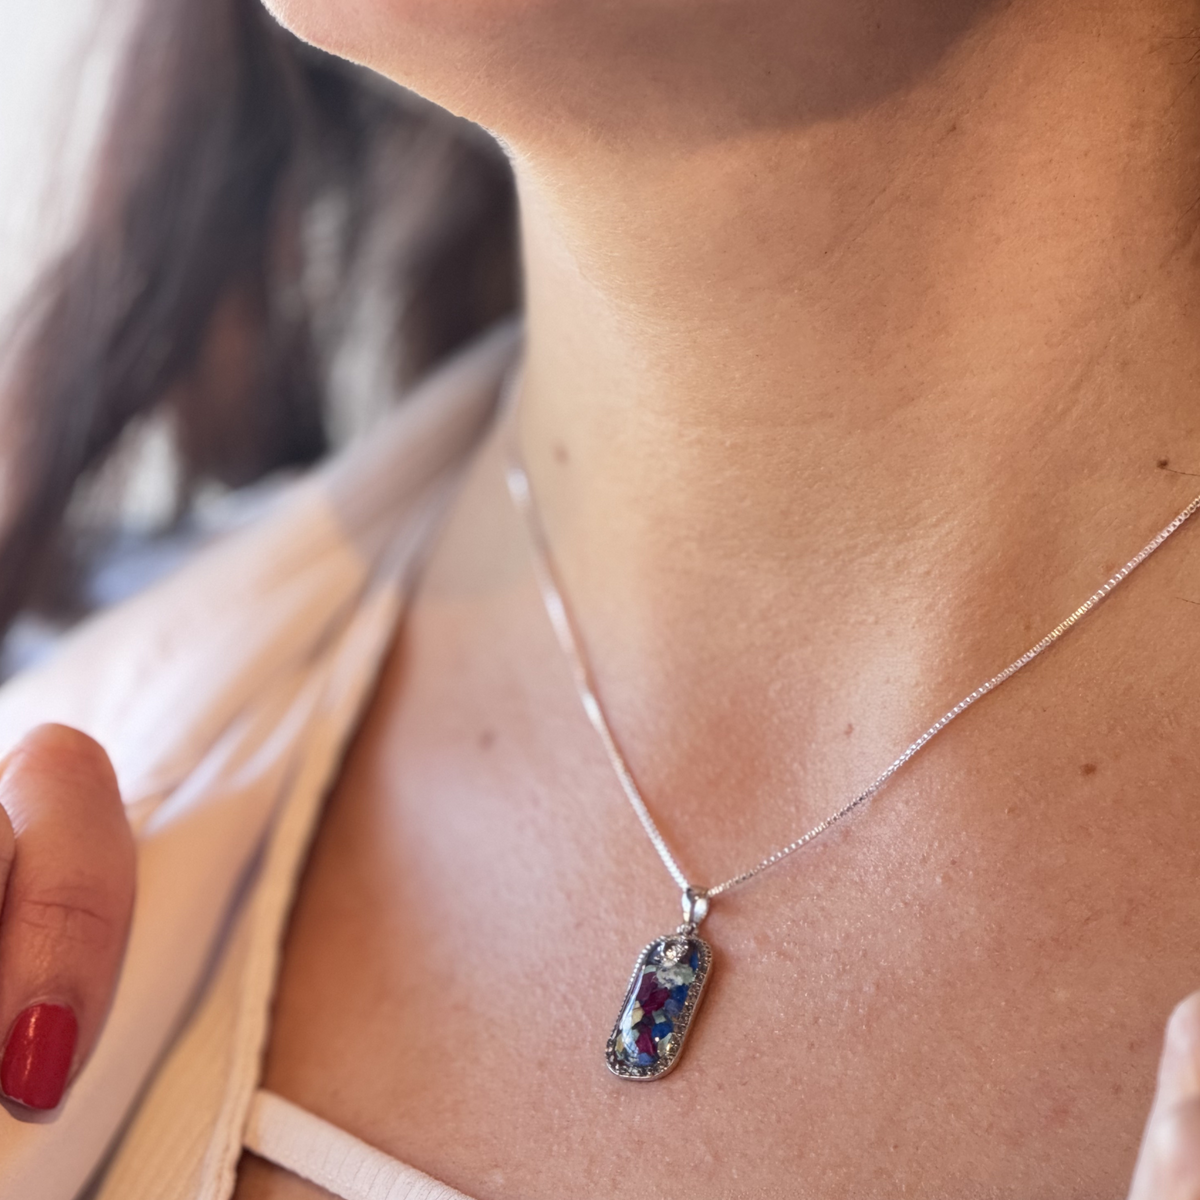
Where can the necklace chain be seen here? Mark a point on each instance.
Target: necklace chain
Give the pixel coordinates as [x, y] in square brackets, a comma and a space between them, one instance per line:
[568, 639]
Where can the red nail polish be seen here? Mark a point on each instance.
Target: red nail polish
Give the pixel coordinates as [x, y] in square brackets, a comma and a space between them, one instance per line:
[37, 1059]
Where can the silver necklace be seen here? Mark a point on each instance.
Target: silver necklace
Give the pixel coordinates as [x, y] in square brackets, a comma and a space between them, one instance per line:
[670, 973]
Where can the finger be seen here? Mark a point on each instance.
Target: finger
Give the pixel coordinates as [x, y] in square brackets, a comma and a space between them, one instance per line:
[1168, 1166]
[67, 908]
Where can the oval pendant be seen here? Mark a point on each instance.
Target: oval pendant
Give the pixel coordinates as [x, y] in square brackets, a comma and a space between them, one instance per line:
[660, 1004]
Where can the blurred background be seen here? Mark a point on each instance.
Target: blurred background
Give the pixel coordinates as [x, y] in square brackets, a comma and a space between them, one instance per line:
[56, 63]
[222, 255]
[56, 73]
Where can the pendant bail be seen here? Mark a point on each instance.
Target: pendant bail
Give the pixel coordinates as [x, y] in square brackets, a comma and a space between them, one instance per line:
[695, 906]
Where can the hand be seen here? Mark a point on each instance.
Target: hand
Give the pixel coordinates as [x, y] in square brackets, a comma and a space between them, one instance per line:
[67, 871]
[1168, 1166]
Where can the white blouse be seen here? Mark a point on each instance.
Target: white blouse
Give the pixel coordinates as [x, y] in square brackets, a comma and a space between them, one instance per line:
[226, 696]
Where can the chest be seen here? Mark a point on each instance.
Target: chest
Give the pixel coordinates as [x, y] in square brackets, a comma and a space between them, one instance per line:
[959, 992]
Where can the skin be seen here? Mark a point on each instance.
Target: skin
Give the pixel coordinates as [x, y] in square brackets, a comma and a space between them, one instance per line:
[861, 348]
[67, 875]
[961, 994]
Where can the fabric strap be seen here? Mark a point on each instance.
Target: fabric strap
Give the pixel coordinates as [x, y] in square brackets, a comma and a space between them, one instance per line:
[295, 1139]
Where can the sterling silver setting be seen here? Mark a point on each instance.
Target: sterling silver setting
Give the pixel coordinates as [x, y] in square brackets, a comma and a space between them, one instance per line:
[667, 1060]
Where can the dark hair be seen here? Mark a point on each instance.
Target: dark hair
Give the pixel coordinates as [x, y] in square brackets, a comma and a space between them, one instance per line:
[250, 196]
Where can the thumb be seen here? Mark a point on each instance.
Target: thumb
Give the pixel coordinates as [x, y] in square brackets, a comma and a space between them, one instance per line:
[1168, 1166]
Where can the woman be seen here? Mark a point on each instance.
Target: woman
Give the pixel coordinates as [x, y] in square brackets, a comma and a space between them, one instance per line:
[859, 349]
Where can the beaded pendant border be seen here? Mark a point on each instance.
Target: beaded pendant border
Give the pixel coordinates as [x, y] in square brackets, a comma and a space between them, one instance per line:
[664, 992]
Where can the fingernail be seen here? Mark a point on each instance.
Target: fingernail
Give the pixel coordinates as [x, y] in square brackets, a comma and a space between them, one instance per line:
[37, 1058]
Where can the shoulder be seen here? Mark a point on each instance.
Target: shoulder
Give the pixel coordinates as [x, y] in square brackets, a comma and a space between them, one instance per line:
[226, 695]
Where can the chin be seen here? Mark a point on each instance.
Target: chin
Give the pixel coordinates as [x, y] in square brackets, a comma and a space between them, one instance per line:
[457, 53]
[554, 75]
[376, 32]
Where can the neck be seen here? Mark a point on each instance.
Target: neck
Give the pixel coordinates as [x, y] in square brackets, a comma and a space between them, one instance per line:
[903, 374]
[970, 302]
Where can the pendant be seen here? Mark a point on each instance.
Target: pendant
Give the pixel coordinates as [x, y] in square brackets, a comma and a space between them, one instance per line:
[661, 1001]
